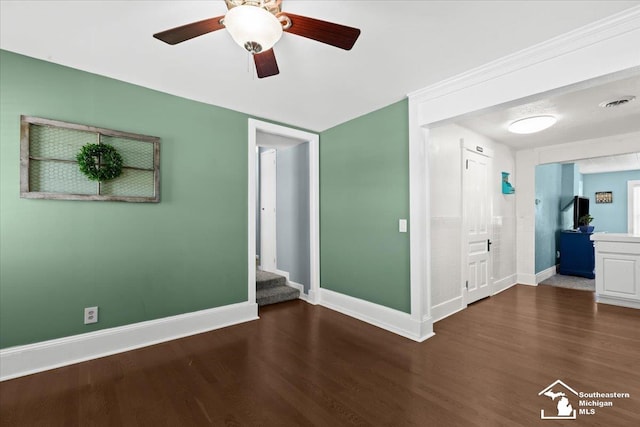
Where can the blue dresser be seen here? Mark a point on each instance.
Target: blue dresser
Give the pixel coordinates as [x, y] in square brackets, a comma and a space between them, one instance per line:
[576, 254]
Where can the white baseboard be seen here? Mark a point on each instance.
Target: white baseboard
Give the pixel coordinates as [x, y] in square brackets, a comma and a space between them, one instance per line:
[294, 285]
[282, 273]
[527, 279]
[545, 274]
[383, 317]
[454, 305]
[300, 287]
[447, 308]
[32, 358]
[622, 302]
[504, 284]
[313, 297]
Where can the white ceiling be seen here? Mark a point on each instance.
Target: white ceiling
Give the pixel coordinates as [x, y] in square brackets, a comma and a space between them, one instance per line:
[578, 111]
[580, 117]
[404, 46]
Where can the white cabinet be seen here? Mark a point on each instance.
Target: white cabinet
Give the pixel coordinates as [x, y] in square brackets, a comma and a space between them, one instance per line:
[617, 269]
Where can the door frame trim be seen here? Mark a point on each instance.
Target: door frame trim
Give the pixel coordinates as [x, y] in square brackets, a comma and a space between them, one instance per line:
[313, 139]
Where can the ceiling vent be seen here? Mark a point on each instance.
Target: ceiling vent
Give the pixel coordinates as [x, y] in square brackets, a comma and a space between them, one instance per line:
[617, 102]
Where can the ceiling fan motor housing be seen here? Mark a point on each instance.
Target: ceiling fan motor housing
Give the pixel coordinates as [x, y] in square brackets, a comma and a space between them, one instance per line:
[272, 6]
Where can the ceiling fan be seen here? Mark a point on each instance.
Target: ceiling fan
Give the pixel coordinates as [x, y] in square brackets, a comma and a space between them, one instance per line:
[257, 25]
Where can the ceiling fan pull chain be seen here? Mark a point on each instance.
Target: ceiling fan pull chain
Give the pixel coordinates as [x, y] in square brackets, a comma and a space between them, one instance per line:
[250, 66]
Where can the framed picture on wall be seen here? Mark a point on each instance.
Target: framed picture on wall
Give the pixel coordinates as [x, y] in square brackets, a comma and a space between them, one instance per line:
[604, 197]
[51, 152]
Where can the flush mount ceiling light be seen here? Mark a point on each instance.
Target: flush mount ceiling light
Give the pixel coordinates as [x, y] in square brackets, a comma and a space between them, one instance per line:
[253, 28]
[532, 124]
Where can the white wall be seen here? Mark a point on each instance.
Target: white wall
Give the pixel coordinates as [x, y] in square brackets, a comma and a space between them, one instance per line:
[504, 220]
[445, 181]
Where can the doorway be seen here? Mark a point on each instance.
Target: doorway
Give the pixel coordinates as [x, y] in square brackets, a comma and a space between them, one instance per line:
[564, 257]
[255, 129]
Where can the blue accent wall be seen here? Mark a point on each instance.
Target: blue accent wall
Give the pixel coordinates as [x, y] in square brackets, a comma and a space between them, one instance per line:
[548, 216]
[609, 217]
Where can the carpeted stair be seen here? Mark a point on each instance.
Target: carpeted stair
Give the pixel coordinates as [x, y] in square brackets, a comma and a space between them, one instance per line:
[272, 288]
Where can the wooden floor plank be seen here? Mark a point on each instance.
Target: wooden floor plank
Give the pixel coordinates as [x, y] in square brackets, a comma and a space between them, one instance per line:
[304, 365]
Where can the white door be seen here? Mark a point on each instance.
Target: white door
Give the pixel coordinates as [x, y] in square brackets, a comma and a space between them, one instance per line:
[268, 210]
[476, 204]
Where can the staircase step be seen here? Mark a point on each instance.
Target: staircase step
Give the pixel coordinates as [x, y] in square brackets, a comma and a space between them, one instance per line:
[266, 280]
[275, 294]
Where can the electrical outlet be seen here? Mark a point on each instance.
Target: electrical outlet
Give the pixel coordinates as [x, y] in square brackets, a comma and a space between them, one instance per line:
[90, 315]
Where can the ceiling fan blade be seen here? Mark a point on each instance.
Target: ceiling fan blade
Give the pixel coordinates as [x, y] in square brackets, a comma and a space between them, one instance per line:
[266, 64]
[189, 31]
[325, 32]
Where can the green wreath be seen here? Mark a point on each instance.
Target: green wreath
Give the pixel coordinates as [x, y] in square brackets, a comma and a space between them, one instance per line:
[99, 162]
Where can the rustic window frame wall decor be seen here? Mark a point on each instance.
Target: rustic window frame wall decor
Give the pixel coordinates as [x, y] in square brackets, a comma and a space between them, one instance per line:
[61, 181]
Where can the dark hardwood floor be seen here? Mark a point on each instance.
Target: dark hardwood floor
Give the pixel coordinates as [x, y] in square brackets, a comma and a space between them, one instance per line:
[305, 365]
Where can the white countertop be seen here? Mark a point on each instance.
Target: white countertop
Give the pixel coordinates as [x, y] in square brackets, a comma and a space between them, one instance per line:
[615, 237]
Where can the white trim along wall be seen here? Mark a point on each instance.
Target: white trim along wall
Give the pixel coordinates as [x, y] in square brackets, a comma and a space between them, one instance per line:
[593, 51]
[32, 358]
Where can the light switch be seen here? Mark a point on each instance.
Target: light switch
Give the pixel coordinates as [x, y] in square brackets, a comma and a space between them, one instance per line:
[402, 225]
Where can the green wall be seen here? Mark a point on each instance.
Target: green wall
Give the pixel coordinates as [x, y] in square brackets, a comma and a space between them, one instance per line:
[364, 190]
[135, 261]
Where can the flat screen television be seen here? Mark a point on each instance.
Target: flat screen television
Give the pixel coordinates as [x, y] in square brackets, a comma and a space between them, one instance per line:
[580, 209]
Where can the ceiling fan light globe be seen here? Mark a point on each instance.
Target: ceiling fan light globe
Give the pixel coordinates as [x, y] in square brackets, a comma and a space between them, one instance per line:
[253, 28]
